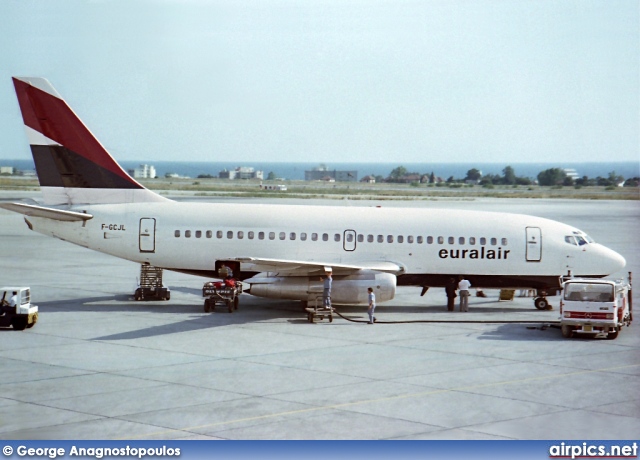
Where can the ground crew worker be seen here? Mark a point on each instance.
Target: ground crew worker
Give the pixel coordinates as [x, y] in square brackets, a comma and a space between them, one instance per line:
[463, 287]
[326, 292]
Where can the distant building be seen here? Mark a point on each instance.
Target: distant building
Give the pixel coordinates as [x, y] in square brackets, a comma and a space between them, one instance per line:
[241, 172]
[368, 179]
[7, 170]
[572, 173]
[321, 172]
[143, 172]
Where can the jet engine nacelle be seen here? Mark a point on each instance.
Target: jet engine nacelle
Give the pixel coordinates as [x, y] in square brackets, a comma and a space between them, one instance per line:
[347, 290]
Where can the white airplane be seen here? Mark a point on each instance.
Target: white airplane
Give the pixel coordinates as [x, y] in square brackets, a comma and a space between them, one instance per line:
[281, 251]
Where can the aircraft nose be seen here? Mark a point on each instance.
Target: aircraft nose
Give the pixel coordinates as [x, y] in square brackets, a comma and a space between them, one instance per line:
[615, 261]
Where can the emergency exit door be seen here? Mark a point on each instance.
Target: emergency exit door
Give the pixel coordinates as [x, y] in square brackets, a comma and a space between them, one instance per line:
[534, 244]
[147, 239]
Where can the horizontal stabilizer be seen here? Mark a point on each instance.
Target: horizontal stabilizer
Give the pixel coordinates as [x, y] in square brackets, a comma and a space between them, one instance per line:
[48, 213]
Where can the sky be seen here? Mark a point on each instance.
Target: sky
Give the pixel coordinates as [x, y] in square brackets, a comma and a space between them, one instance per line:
[334, 80]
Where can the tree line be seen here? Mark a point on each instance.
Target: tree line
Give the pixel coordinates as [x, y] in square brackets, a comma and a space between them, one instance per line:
[548, 177]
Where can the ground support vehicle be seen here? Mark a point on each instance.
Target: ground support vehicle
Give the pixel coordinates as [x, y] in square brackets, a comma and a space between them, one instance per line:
[224, 292]
[318, 311]
[23, 315]
[593, 306]
[150, 285]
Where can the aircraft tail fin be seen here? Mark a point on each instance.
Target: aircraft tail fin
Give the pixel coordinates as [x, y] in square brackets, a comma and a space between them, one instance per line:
[72, 166]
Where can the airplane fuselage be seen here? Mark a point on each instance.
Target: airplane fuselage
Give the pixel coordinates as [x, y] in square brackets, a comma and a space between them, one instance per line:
[495, 249]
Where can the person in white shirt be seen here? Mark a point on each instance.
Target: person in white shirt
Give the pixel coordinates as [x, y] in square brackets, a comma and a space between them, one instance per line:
[463, 289]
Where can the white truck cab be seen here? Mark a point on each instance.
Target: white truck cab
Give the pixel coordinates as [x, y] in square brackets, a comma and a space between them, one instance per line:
[595, 306]
[21, 315]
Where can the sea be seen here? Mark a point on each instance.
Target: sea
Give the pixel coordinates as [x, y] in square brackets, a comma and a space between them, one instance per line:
[295, 171]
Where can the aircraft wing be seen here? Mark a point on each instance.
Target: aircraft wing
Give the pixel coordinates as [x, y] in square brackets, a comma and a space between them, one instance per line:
[301, 267]
[49, 213]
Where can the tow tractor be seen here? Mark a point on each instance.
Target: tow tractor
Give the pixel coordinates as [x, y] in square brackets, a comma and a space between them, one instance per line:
[593, 306]
[224, 292]
[23, 314]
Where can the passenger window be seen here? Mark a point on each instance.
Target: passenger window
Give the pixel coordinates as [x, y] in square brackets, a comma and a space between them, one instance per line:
[451, 240]
[380, 238]
[336, 237]
[177, 234]
[283, 235]
[349, 238]
[229, 235]
[303, 237]
[240, 235]
[325, 237]
[261, 235]
[272, 235]
[250, 235]
[360, 238]
[198, 234]
[494, 241]
[209, 233]
[389, 238]
[292, 236]
[483, 241]
[219, 234]
[441, 240]
[187, 233]
[504, 241]
[429, 240]
[410, 239]
[369, 238]
[420, 239]
[400, 239]
[472, 240]
[461, 240]
[314, 237]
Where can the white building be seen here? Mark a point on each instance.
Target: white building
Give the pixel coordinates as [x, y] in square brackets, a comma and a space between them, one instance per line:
[143, 172]
[241, 172]
[7, 170]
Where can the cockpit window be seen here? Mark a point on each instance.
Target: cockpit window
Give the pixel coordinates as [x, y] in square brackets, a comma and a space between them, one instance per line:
[581, 238]
[570, 239]
[581, 241]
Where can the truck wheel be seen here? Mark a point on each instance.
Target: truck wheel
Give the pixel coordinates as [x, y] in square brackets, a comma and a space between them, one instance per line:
[541, 303]
[19, 323]
[229, 306]
[33, 323]
[168, 296]
[207, 307]
[236, 302]
[567, 331]
[612, 335]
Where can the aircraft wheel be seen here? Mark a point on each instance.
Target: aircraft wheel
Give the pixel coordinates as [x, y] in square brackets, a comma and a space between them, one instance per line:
[541, 303]
[612, 335]
[567, 331]
[168, 296]
[331, 318]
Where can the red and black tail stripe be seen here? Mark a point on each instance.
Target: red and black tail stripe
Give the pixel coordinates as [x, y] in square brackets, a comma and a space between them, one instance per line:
[70, 156]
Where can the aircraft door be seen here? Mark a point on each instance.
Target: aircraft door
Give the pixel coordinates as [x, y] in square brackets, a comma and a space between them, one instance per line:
[534, 244]
[349, 241]
[147, 238]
